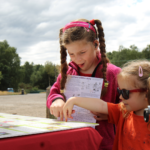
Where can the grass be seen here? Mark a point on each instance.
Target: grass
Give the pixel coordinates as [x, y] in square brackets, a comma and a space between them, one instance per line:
[16, 93]
[9, 93]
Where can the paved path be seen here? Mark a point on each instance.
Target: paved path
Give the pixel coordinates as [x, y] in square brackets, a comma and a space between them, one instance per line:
[27, 105]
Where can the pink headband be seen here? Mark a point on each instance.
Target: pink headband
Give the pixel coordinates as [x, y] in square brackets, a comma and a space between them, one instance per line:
[80, 24]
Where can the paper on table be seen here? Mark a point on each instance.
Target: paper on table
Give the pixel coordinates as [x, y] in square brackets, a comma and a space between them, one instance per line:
[79, 86]
[16, 125]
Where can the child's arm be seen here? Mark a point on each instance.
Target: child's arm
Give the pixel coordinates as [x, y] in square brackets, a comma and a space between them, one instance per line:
[92, 104]
[55, 100]
[99, 116]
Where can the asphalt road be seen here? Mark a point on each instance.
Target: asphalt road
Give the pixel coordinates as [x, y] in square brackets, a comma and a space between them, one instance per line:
[26, 105]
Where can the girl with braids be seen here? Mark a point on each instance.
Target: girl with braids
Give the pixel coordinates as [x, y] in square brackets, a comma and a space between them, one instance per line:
[82, 39]
[134, 90]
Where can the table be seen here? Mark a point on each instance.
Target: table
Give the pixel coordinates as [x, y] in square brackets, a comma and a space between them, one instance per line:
[84, 138]
[75, 139]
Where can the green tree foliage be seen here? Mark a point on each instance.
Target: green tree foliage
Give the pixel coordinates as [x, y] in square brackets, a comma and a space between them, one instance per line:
[124, 55]
[51, 71]
[146, 52]
[26, 76]
[37, 74]
[22, 85]
[43, 83]
[22, 74]
[1, 76]
[27, 70]
[9, 66]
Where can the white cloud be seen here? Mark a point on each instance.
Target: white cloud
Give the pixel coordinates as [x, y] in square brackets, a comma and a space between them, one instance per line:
[42, 25]
[33, 26]
[44, 50]
[48, 50]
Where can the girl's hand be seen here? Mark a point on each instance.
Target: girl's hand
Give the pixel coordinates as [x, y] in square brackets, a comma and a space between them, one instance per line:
[67, 109]
[100, 116]
[56, 108]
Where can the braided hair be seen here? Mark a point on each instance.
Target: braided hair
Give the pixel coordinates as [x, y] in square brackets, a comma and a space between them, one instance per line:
[80, 33]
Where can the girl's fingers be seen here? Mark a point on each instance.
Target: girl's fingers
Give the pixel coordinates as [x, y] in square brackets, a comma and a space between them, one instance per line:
[61, 116]
[51, 111]
[73, 111]
[98, 118]
[93, 112]
[71, 117]
[69, 113]
[55, 113]
[65, 114]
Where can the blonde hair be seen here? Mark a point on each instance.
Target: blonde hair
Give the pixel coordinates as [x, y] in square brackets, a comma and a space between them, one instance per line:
[143, 82]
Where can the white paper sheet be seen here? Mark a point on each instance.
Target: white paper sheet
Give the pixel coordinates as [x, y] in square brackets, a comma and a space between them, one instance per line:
[79, 86]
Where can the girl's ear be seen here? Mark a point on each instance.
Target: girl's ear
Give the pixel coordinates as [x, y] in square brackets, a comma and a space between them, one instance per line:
[96, 47]
[146, 97]
[146, 100]
[96, 44]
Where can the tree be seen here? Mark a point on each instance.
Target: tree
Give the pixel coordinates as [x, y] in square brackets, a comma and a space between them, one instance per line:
[109, 55]
[43, 82]
[124, 55]
[1, 76]
[51, 71]
[37, 74]
[9, 66]
[146, 52]
[21, 74]
[28, 70]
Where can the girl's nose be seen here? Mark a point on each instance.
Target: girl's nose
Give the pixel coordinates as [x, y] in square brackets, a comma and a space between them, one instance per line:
[78, 58]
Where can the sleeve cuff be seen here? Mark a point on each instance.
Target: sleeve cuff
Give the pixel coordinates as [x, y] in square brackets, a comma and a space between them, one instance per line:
[57, 98]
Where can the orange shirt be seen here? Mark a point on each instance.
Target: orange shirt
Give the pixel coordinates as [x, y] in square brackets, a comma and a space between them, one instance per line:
[132, 132]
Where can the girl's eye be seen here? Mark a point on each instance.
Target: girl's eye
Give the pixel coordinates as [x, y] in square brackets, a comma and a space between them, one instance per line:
[82, 52]
[71, 54]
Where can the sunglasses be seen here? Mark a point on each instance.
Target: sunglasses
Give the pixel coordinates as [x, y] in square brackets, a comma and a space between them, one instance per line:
[125, 93]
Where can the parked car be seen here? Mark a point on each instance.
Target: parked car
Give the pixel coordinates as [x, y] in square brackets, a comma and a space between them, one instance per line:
[10, 89]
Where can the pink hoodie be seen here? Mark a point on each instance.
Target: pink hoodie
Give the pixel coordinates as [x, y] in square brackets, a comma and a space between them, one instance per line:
[105, 129]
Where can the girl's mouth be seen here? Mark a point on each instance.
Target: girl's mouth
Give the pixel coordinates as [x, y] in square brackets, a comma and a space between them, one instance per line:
[125, 104]
[81, 65]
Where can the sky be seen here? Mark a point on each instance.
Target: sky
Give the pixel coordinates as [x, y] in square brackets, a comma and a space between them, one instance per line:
[32, 26]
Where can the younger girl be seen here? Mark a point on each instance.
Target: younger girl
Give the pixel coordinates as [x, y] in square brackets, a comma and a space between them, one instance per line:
[82, 40]
[134, 89]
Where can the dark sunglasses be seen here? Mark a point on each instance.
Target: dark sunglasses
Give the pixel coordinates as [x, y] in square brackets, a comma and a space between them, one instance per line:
[125, 93]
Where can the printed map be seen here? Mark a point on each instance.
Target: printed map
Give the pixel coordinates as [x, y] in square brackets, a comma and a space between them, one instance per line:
[16, 125]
